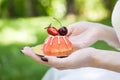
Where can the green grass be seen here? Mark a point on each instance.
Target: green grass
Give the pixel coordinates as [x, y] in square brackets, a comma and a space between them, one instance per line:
[16, 66]
[17, 33]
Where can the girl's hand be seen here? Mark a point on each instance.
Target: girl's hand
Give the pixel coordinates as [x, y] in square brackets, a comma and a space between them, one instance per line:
[84, 34]
[86, 57]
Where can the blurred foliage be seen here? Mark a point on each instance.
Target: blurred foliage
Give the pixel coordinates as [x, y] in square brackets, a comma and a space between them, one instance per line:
[91, 9]
[16, 66]
[22, 23]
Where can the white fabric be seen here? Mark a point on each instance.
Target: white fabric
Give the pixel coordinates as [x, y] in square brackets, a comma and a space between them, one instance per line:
[81, 74]
[116, 18]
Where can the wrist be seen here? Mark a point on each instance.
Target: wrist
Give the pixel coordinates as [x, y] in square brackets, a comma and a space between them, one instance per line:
[109, 36]
[106, 60]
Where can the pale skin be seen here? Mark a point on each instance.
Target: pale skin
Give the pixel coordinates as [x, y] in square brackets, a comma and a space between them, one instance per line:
[82, 35]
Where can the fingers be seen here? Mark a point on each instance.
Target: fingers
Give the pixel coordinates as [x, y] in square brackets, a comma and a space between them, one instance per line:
[83, 34]
[46, 60]
[77, 59]
[85, 39]
[77, 28]
[58, 63]
[28, 52]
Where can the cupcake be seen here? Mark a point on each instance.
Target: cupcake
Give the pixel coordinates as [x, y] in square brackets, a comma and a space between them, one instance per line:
[57, 44]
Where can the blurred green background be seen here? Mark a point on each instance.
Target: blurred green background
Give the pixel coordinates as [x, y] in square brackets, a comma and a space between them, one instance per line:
[22, 23]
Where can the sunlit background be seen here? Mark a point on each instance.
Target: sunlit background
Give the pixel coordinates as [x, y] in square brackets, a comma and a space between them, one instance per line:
[22, 23]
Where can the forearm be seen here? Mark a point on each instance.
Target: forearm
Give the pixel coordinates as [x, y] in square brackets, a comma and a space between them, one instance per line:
[106, 59]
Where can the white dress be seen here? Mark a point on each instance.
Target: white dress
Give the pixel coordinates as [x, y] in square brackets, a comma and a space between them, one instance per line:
[88, 73]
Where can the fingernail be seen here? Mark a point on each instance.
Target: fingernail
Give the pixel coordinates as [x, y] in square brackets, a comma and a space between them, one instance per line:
[61, 56]
[40, 55]
[21, 52]
[44, 59]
